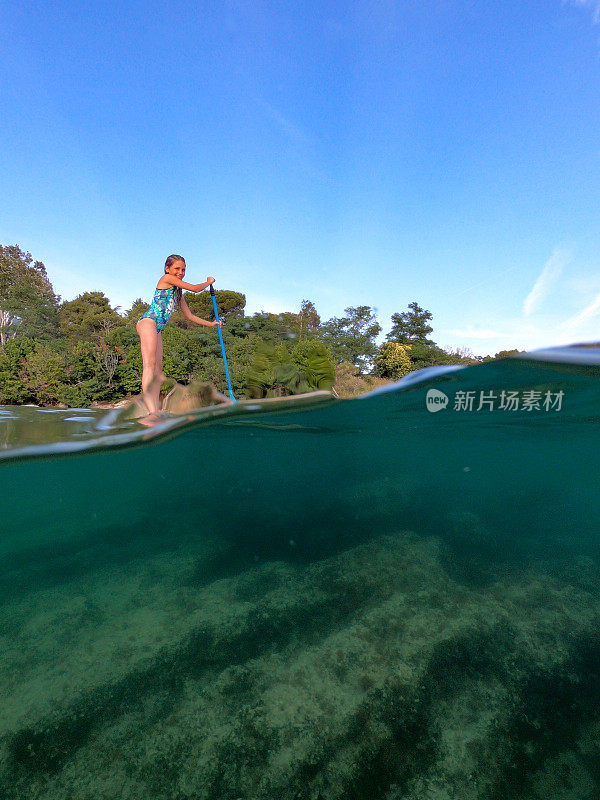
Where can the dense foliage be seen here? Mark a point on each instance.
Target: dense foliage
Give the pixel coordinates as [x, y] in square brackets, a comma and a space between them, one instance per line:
[83, 350]
[26, 297]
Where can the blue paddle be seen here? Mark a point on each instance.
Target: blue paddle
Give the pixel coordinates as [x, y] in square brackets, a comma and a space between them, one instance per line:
[214, 301]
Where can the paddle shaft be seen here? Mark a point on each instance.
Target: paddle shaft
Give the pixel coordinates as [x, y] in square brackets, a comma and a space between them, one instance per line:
[214, 302]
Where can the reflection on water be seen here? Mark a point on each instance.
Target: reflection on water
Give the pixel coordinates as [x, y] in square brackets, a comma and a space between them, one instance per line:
[335, 599]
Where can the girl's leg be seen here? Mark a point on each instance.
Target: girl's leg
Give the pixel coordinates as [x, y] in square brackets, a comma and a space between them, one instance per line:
[150, 341]
[159, 377]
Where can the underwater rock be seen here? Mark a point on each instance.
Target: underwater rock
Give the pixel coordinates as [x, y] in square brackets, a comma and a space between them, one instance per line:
[367, 674]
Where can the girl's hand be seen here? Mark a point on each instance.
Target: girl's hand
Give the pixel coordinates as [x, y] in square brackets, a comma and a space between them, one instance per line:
[214, 323]
[199, 286]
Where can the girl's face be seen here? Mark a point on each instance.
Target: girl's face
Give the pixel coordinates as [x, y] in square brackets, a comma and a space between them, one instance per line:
[177, 269]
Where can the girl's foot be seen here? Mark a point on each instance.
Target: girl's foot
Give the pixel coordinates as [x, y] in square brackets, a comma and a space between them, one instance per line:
[150, 420]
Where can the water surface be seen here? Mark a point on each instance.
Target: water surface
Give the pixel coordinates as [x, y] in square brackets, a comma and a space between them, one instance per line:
[334, 599]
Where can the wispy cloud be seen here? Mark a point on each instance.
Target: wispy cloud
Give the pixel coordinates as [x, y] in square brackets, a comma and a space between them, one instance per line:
[591, 5]
[574, 323]
[294, 132]
[488, 280]
[471, 332]
[301, 144]
[546, 280]
[476, 333]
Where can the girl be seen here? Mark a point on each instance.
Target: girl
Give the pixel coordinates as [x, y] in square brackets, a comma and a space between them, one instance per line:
[166, 297]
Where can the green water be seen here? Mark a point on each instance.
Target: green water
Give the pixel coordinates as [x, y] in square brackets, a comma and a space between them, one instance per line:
[328, 599]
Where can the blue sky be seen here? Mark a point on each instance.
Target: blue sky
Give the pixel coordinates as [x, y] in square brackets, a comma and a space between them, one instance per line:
[357, 153]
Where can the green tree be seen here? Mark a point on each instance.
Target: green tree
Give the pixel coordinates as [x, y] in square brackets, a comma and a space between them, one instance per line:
[411, 326]
[230, 305]
[393, 360]
[299, 325]
[138, 308]
[272, 328]
[428, 354]
[129, 371]
[177, 363]
[309, 319]
[89, 317]
[84, 374]
[46, 371]
[25, 293]
[125, 342]
[107, 359]
[207, 361]
[352, 338]
[13, 388]
[508, 353]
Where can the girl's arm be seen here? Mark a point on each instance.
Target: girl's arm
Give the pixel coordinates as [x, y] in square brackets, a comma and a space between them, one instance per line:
[171, 280]
[186, 311]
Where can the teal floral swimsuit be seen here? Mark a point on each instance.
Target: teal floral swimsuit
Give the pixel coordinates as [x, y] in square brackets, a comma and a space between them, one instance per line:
[163, 305]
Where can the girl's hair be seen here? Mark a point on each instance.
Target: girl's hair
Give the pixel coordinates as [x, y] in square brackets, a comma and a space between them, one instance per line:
[172, 259]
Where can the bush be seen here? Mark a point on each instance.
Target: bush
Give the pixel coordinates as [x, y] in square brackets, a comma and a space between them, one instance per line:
[316, 362]
[350, 383]
[393, 360]
[272, 373]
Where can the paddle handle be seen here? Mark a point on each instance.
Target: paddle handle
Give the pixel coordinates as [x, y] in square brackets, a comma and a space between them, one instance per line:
[214, 302]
